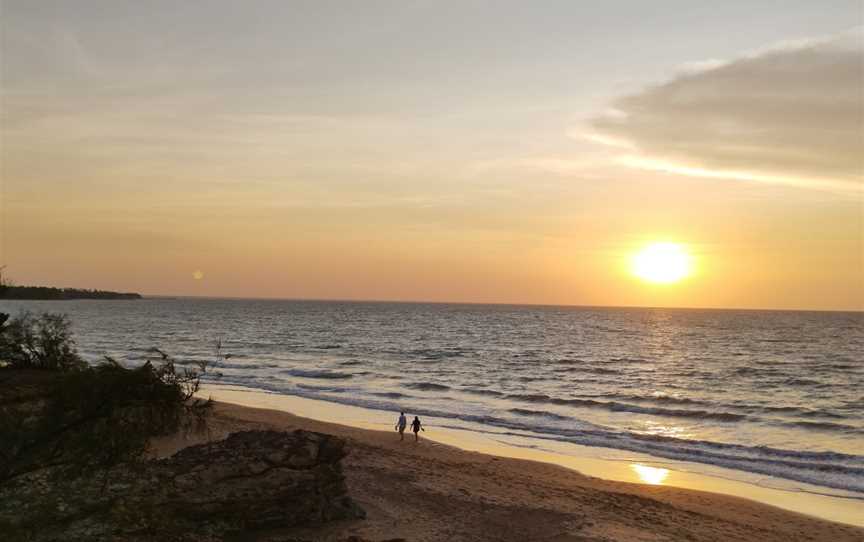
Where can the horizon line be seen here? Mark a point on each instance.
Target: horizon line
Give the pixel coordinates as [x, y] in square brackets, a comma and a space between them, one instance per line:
[483, 303]
[430, 302]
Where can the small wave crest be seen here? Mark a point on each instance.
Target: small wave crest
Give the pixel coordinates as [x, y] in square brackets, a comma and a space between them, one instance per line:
[616, 406]
[426, 386]
[827, 426]
[434, 354]
[589, 370]
[329, 389]
[389, 394]
[246, 366]
[328, 375]
[480, 391]
[538, 413]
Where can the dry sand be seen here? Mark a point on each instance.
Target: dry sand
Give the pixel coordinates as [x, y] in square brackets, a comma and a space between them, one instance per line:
[428, 491]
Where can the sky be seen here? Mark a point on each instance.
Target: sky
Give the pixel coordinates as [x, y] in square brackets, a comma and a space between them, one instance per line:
[490, 152]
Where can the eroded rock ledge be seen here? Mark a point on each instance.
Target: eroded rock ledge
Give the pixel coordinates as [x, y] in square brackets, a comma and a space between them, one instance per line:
[251, 480]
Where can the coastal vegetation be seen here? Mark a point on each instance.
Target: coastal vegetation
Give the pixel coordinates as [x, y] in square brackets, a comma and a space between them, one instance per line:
[76, 461]
[9, 290]
[48, 293]
[58, 410]
[38, 342]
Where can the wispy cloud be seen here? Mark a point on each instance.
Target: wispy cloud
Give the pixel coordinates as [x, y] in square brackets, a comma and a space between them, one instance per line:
[791, 113]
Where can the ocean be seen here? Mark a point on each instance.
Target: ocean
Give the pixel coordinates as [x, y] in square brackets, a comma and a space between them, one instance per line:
[763, 393]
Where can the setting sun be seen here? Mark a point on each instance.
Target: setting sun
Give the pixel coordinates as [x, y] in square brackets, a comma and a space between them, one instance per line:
[662, 263]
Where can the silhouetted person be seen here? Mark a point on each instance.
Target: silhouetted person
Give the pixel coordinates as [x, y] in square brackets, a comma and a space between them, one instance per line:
[416, 427]
[401, 424]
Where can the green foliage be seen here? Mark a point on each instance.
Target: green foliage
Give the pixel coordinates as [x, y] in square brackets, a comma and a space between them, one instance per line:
[79, 418]
[98, 417]
[38, 342]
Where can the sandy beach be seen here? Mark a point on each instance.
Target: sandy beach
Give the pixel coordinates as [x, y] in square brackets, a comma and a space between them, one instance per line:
[429, 491]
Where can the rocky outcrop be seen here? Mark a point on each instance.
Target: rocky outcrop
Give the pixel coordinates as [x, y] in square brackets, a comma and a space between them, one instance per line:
[251, 480]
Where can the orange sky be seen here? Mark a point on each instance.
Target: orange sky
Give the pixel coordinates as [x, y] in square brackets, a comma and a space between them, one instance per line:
[420, 154]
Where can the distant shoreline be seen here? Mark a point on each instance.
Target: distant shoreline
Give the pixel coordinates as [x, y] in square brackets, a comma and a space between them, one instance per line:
[46, 293]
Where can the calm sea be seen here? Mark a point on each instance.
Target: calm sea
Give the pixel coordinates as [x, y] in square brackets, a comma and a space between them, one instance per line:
[769, 393]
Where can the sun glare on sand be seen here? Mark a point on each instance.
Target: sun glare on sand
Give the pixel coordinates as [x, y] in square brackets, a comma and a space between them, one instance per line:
[661, 263]
[650, 475]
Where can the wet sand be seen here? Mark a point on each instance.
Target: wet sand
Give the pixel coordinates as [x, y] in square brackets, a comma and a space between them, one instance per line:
[429, 491]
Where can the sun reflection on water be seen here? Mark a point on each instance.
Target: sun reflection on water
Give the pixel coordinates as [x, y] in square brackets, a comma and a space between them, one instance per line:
[650, 475]
[665, 429]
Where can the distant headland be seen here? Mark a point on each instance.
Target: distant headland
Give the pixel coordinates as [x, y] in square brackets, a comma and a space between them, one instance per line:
[49, 293]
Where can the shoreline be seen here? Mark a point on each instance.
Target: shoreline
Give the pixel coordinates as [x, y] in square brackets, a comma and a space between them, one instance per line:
[678, 458]
[239, 409]
[637, 468]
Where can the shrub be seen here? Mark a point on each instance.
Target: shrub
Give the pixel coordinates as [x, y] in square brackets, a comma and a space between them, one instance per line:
[76, 417]
[38, 342]
[97, 417]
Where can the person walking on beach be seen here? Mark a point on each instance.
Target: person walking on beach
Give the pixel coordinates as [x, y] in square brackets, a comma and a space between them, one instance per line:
[416, 427]
[401, 424]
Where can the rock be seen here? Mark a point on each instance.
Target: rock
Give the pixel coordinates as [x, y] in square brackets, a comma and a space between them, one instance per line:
[251, 480]
[351, 538]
